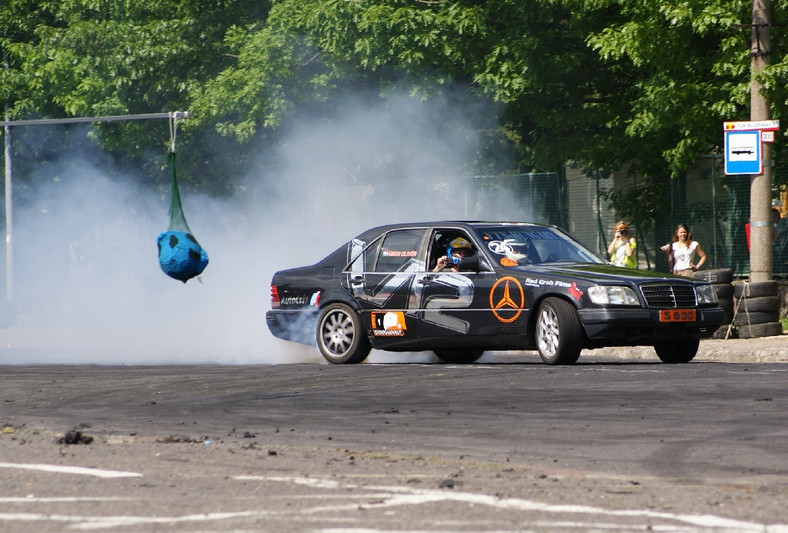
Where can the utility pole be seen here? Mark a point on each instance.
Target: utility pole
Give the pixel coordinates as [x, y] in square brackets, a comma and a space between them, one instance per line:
[761, 260]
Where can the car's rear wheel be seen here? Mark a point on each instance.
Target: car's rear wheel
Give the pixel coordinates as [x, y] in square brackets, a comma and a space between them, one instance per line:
[559, 334]
[678, 351]
[340, 336]
[459, 357]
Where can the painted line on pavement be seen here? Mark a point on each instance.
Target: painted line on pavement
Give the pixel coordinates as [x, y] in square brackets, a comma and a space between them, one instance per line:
[71, 470]
[400, 496]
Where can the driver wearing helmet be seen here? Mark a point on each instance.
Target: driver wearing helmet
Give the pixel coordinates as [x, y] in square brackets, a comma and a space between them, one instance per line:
[457, 249]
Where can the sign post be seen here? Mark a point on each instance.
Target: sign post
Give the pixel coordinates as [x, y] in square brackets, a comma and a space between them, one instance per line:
[743, 145]
[745, 153]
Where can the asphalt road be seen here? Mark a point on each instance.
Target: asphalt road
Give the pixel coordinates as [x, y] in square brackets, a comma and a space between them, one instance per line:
[617, 444]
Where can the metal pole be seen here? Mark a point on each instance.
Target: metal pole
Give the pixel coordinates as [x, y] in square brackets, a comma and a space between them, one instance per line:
[9, 216]
[601, 239]
[111, 118]
[714, 211]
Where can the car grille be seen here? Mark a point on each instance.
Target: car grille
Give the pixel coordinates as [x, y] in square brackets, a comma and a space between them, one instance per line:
[665, 295]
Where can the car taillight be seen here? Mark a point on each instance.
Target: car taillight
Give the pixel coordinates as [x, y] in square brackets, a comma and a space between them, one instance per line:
[274, 296]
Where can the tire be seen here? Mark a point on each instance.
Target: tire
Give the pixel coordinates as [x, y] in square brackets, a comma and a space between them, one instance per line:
[755, 289]
[722, 332]
[727, 306]
[726, 303]
[715, 275]
[340, 336]
[768, 329]
[758, 304]
[459, 357]
[678, 351]
[559, 334]
[750, 319]
[723, 290]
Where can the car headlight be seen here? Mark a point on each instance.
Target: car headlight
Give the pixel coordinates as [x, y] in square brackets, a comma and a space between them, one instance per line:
[706, 294]
[612, 295]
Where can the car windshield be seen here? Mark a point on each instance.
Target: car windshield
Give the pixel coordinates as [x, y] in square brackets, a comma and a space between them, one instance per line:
[523, 245]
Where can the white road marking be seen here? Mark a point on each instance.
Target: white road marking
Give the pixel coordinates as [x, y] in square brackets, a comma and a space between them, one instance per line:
[87, 523]
[387, 497]
[400, 496]
[312, 482]
[60, 499]
[71, 470]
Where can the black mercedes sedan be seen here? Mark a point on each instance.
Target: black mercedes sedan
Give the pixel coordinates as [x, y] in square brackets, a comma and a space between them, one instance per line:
[459, 288]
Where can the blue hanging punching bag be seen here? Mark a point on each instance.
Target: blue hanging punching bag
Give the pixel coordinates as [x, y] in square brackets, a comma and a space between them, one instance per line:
[180, 255]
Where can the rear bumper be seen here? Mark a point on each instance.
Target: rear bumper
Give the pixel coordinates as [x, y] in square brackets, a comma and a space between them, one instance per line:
[642, 326]
[295, 326]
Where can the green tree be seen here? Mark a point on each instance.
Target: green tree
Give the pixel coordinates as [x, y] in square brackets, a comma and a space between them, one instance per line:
[638, 84]
[604, 83]
[85, 58]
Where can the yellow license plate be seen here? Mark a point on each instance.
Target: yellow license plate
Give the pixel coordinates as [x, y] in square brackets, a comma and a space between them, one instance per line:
[677, 315]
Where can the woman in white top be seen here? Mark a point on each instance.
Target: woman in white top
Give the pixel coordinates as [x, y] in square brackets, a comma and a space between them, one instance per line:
[681, 252]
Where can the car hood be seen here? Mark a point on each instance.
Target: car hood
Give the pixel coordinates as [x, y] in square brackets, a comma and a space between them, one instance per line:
[596, 273]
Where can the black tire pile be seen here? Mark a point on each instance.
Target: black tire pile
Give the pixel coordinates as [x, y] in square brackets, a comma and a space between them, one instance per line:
[721, 279]
[757, 309]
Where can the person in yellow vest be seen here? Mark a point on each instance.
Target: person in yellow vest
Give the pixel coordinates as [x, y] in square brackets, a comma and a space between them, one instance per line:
[622, 249]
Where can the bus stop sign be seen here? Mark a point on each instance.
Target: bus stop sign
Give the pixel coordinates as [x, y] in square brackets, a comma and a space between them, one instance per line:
[743, 145]
[743, 152]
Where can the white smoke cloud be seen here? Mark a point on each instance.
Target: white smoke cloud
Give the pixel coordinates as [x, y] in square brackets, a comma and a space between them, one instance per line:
[87, 283]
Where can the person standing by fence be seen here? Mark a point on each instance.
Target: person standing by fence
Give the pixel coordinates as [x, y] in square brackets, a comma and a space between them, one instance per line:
[681, 252]
[622, 249]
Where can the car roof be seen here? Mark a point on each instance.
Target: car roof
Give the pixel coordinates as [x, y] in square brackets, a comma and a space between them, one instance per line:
[469, 224]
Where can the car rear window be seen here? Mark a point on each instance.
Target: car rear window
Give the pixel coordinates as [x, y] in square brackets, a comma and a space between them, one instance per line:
[398, 248]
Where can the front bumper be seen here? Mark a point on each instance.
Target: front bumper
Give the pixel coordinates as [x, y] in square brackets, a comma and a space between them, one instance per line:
[631, 326]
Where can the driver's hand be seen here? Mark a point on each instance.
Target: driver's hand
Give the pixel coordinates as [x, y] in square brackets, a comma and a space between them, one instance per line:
[441, 264]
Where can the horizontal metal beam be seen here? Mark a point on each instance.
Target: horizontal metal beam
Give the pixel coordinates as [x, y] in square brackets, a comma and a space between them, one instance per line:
[49, 121]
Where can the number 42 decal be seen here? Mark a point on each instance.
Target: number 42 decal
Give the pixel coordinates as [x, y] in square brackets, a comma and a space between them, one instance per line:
[459, 287]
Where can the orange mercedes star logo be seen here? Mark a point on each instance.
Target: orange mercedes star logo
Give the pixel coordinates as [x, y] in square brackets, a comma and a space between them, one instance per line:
[505, 302]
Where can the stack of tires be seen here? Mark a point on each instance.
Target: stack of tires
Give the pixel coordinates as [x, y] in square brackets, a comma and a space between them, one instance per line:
[757, 309]
[721, 279]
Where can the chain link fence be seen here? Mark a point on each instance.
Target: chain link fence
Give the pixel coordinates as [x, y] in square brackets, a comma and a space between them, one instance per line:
[714, 206]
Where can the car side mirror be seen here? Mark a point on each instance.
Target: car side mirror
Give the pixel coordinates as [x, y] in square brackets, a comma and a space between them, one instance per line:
[469, 264]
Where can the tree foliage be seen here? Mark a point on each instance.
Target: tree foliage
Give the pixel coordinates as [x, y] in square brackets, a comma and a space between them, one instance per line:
[638, 84]
[82, 58]
[607, 83]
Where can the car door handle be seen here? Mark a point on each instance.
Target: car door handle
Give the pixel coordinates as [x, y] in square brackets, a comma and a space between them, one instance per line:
[358, 280]
[426, 280]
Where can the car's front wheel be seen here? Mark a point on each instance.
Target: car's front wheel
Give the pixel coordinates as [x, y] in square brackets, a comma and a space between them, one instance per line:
[676, 352]
[340, 336]
[559, 334]
[459, 357]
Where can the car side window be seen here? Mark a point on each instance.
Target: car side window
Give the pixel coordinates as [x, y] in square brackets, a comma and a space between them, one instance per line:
[398, 249]
[440, 242]
[370, 254]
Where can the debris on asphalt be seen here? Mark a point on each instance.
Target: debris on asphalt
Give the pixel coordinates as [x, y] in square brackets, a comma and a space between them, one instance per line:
[75, 436]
